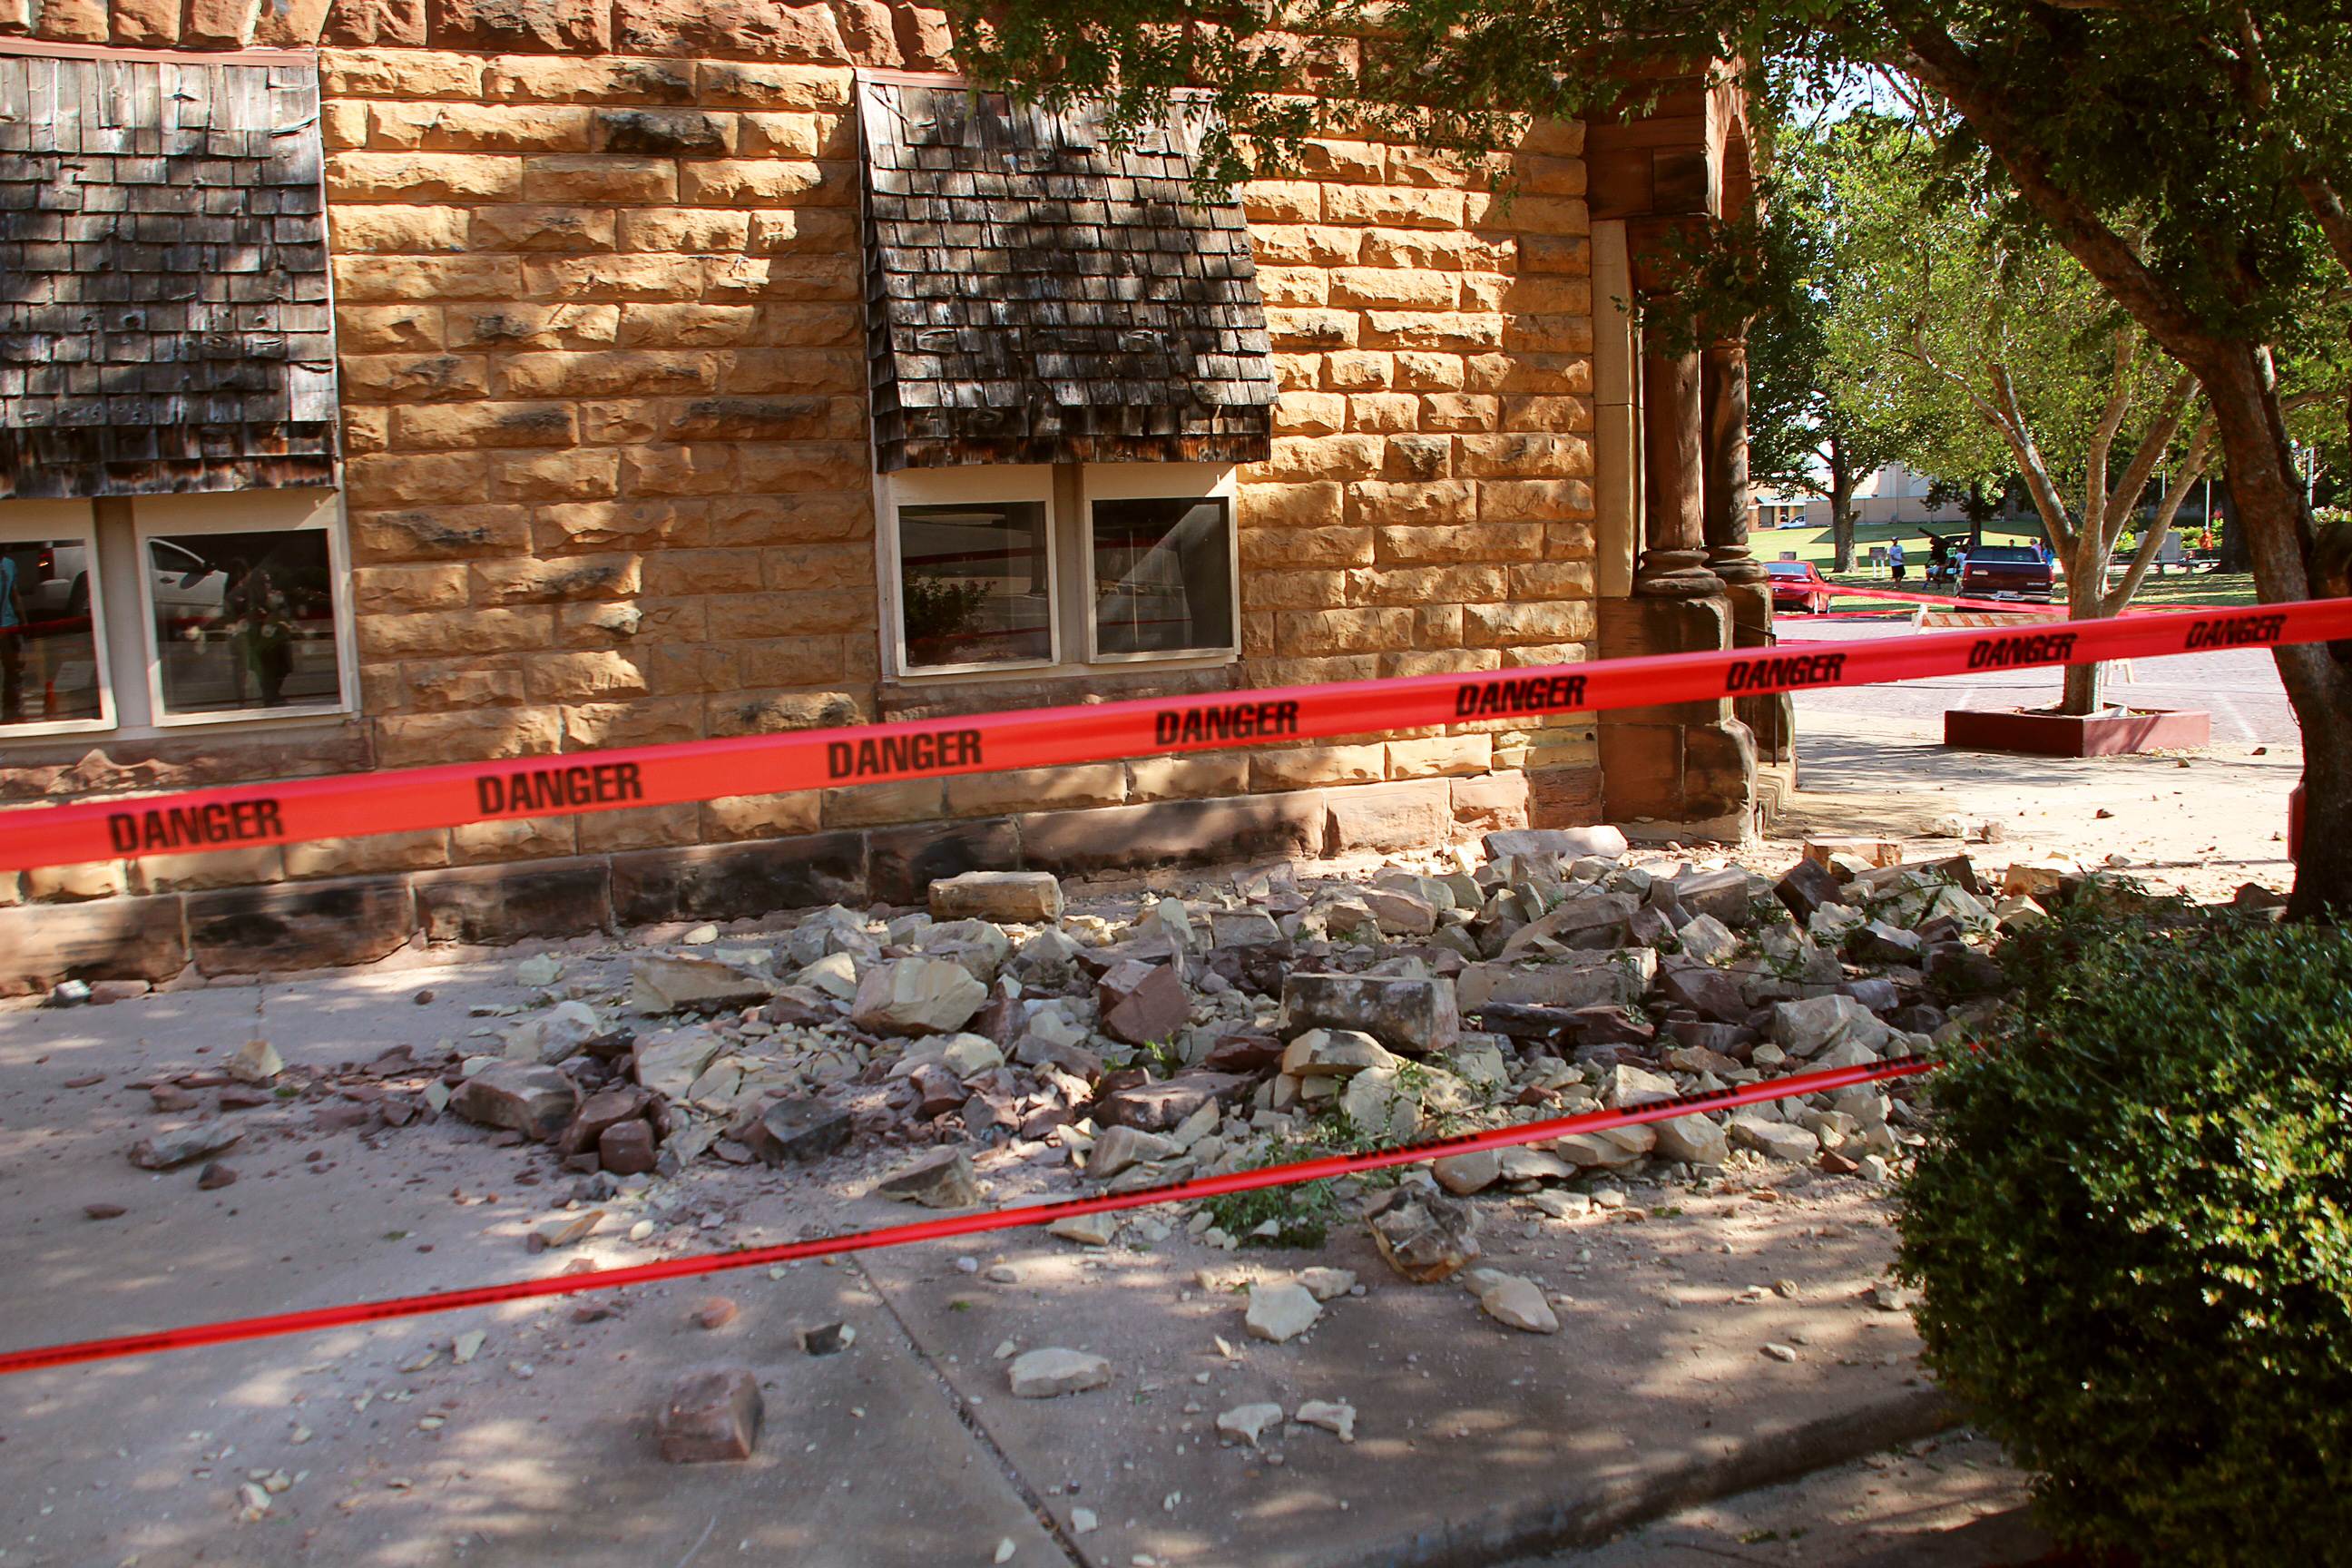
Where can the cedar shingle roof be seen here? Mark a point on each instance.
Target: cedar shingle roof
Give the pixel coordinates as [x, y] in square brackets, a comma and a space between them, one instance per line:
[1034, 295]
[163, 309]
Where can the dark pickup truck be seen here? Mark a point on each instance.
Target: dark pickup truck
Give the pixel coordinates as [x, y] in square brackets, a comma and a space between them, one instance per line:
[2006, 572]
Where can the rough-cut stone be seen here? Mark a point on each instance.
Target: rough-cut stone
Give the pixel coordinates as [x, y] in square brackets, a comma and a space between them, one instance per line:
[1158, 1106]
[1712, 993]
[1723, 894]
[1561, 844]
[1120, 1148]
[1517, 1303]
[798, 1129]
[163, 1150]
[1327, 1284]
[1708, 940]
[627, 1149]
[1328, 1415]
[1020, 898]
[606, 1108]
[710, 1416]
[1462, 1174]
[1142, 1002]
[1242, 928]
[1808, 1028]
[562, 1031]
[1877, 942]
[1398, 914]
[1564, 984]
[1809, 886]
[673, 982]
[1777, 1140]
[255, 1062]
[1597, 919]
[668, 1064]
[1426, 1236]
[943, 1180]
[1624, 1085]
[1379, 1105]
[1044, 1373]
[917, 996]
[1412, 1015]
[1247, 1423]
[529, 1098]
[1694, 1140]
[1335, 1053]
[1281, 1312]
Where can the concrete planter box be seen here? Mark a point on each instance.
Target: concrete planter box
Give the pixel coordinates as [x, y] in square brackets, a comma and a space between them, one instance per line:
[2109, 734]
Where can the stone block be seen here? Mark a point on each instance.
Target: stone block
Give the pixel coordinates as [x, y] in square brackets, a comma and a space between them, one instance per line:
[114, 939]
[738, 881]
[1027, 898]
[1416, 1016]
[1037, 789]
[1413, 815]
[1298, 767]
[902, 863]
[1489, 802]
[1129, 837]
[298, 925]
[498, 904]
[712, 1416]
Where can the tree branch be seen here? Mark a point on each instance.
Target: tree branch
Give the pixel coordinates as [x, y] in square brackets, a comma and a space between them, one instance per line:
[2095, 499]
[2200, 448]
[2153, 444]
[2038, 484]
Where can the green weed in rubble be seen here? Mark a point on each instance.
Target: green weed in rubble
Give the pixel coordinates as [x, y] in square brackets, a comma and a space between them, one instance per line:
[2132, 1232]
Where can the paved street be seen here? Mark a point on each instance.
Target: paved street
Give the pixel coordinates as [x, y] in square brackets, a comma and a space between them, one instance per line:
[2240, 687]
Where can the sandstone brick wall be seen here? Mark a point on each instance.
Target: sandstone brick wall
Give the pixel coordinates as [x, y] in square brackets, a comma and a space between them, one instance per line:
[598, 288]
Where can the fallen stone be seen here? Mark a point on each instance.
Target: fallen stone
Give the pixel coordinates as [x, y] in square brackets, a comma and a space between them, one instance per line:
[1332, 1416]
[1162, 1106]
[1809, 885]
[1335, 1053]
[716, 1312]
[1726, 895]
[1517, 1303]
[943, 1180]
[1086, 1229]
[1426, 1236]
[1403, 1013]
[1776, 1140]
[1119, 1149]
[917, 996]
[103, 1211]
[1142, 1003]
[1875, 942]
[1560, 844]
[827, 1339]
[798, 1129]
[1019, 898]
[1694, 1140]
[1327, 1284]
[1462, 1174]
[606, 1108]
[968, 1056]
[1809, 1027]
[1244, 928]
[1382, 1106]
[170, 1098]
[1713, 994]
[1586, 921]
[1243, 1054]
[1281, 1312]
[1244, 1423]
[1046, 1374]
[163, 1150]
[673, 982]
[571, 1228]
[255, 1062]
[563, 1030]
[1565, 985]
[668, 1064]
[627, 1149]
[1624, 1085]
[712, 1416]
[1533, 1166]
[1398, 914]
[215, 1176]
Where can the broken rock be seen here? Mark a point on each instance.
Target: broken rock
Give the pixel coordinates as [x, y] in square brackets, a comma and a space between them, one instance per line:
[1281, 1312]
[1020, 898]
[712, 1416]
[1427, 1236]
[1332, 1416]
[943, 1180]
[1516, 1303]
[673, 983]
[255, 1062]
[668, 1064]
[917, 996]
[1406, 1014]
[1044, 1373]
[529, 1097]
[798, 1129]
[1244, 1423]
[1142, 1002]
[1694, 1140]
[162, 1151]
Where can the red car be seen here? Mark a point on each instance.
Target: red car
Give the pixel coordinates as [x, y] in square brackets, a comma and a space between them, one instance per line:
[2006, 572]
[1799, 586]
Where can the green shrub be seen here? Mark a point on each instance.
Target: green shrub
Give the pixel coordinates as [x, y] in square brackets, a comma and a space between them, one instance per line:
[2132, 1233]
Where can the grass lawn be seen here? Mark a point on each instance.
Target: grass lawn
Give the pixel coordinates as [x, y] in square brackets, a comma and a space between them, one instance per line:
[1814, 544]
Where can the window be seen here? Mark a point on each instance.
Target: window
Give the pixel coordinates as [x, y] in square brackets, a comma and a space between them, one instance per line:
[53, 675]
[994, 568]
[233, 607]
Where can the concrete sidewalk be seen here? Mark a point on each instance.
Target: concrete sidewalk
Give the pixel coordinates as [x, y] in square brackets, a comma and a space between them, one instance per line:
[1472, 1442]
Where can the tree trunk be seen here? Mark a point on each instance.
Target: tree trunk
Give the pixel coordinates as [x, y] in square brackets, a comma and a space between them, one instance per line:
[2235, 556]
[2086, 584]
[1840, 511]
[2267, 501]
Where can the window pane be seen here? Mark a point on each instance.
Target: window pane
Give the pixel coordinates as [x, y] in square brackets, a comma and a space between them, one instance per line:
[1163, 576]
[974, 585]
[48, 643]
[244, 622]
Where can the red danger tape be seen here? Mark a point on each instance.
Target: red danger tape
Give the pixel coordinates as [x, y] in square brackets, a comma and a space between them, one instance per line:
[354, 804]
[275, 1325]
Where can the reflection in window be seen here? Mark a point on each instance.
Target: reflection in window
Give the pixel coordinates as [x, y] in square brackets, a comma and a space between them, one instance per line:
[49, 640]
[244, 621]
[974, 583]
[1163, 576]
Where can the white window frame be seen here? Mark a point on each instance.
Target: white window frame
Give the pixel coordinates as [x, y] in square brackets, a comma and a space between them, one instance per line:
[1010, 483]
[24, 522]
[247, 511]
[1068, 492]
[1161, 482]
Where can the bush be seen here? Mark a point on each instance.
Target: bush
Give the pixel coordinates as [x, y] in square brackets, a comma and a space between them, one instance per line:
[2132, 1232]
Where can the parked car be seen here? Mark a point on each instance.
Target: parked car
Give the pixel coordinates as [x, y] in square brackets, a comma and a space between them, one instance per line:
[2006, 572]
[1798, 585]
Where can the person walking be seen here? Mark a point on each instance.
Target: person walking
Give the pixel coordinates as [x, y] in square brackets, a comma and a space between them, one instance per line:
[1895, 557]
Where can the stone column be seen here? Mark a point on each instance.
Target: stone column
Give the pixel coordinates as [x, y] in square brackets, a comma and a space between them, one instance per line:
[1724, 401]
[1673, 559]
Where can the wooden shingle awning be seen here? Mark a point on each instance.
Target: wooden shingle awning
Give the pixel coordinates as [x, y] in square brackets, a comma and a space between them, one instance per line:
[1037, 295]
